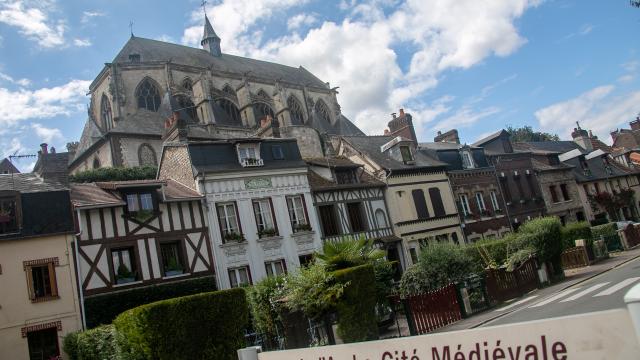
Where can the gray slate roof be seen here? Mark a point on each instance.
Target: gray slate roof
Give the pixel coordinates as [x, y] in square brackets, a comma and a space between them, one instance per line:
[29, 183]
[559, 147]
[154, 50]
[370, 145]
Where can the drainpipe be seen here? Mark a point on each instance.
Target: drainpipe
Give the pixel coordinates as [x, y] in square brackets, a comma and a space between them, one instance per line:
[78, 272]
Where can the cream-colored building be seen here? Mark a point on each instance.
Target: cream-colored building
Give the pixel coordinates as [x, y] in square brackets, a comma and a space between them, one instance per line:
[39, 301]
[418, 194]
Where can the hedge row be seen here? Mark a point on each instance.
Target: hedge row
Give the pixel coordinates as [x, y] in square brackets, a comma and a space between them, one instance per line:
[115, 174]
[356, 308]
[97, 343]
[604, 230]
[574, 231]
[102, 309]
[203, 326]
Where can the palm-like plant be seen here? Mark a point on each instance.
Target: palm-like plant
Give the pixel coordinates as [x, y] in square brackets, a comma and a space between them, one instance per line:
[349, 252]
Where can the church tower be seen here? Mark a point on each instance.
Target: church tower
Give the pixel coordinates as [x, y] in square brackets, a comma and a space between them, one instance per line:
[210, 40]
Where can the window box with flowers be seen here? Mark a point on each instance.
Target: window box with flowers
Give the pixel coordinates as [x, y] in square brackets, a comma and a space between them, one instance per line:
[301, 227]
[233, 236]
[267, 232]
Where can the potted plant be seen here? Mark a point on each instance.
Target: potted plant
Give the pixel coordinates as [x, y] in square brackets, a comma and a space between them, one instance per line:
[173, 268]
[301, 227]
[143, 215]
[267, 232]
[5, 216]
[233, 236]
[124, 275]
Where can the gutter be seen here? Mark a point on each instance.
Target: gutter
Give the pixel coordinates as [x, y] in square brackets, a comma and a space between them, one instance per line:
[78, 272]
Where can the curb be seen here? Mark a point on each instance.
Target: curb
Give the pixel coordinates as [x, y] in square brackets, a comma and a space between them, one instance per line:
[564, 288]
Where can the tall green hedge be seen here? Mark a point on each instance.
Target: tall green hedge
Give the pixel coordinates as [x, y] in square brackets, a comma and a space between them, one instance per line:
[545, 235]
[102, 309]
[575, 231]
[115, 174]
[203, 326]
[97, 343]
[604, 230]
[356, 308]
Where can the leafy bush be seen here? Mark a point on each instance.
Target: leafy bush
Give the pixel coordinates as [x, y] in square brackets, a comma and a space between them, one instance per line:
[102, 309]
[489, 253]
[438, 266]
[98, 343]
[574, 231]
[313, 291]
[70, 345]
[356, 308]
[265, 304]
[203, 326]
[115, 174]
[518, 258]
[348, 252]
[604, 230]
[545, 236]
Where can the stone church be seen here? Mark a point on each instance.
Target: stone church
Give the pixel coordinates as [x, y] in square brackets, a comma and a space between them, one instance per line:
[220, 95]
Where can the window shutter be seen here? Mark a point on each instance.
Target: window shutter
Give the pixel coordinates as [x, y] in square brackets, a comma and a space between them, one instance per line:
[52, 278]
[29, 273]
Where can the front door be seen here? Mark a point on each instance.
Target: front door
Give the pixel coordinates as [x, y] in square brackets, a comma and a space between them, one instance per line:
[43, 344]
[394, 256]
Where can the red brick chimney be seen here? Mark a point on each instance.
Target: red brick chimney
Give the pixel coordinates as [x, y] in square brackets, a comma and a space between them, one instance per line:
[635, 124]
[402, 126]
[44, 148]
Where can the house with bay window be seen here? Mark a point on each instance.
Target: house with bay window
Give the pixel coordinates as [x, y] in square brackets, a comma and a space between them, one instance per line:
[135, 234]
[260, 208]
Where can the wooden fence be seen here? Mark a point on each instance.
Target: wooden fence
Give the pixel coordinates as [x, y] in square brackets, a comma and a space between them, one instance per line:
[632, 235]
[432, 310]
[503, 285]
[575, 257]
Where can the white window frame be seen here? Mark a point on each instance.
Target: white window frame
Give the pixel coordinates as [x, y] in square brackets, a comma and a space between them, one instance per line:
[480, 201]
[249, 155]
[272, 268]
[464, 203]
[235, 280]
[263, 214]
[494, 200]
[297, 213]
[224, 216]
[467, 160]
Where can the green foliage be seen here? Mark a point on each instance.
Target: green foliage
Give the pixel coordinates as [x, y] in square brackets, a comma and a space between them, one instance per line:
[604, 230]
[102, 309]
[266, 301]
[438, 265]
[545, 236]
[518, 258]
[313, 291]
[115, 174]
[574, 231]
[526, 133]
[70, 345]
[356, 308]
[98, 343]
[348, 252]
[203, 326]
[123, 272]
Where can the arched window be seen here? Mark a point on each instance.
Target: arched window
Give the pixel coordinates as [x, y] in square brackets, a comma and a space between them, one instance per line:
[105, 112]
[295, 110]
[261, 111]
[188, 106]
[381, 219]
[96, 163]
[322, 110]
[187, 84]
[231, 109]
[147, 156]
[227, 89]
[148, 95]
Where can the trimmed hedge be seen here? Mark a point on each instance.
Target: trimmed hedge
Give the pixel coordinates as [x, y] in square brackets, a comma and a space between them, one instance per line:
[203, 326]
[545, 235]
[97, 343]
[574, 231]
[356, 308]
[604, 230]
[102, 309]
[70, 345]
[115, 174]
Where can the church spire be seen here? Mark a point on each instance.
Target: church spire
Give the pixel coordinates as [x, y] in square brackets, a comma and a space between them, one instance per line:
[210, 40]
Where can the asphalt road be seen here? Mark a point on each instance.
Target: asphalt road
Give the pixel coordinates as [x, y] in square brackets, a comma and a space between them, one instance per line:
[602, 292]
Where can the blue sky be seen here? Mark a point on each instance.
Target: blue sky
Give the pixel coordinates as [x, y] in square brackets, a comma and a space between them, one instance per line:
[472, 65]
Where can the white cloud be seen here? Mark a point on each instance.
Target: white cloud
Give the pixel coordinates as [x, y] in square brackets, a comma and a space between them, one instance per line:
[42, 103]
[89, 16]
[14, 146]
[465, 117]
[21, 82]
[81, 42]
[47, 135]
[626, 78]
[165, 38]
[595, 109]
[301, 20]
[33, 22]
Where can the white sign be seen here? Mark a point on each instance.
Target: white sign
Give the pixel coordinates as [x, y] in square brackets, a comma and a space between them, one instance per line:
[601, 335]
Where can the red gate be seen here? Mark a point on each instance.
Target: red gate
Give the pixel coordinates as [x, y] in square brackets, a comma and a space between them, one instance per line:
[435, 309]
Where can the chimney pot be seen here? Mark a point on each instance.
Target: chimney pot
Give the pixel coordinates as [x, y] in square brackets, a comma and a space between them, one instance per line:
[53, 150]
[386, 131]
[393, 115]
[401, 112]
[439, 132]
[43, 148]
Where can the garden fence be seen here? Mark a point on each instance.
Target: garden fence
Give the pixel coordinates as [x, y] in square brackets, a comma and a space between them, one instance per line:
[575, 257]
[435, 309]
[504, 285]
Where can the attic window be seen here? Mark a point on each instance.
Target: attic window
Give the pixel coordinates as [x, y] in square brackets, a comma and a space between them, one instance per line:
[277, 152]
[467, 160]
[347, 176]
[134, 58]
[249, 155]
[9, 213]
[405, 151]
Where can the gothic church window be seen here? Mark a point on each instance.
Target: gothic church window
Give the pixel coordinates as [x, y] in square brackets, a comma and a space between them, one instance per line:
[322, 110]
[263, 94]
[295, 110]
[148, 95]
[105, 112]
[231, 109]
[187, 84]
[147, 156]
[262, 110]
[188, 106]
[228, 90]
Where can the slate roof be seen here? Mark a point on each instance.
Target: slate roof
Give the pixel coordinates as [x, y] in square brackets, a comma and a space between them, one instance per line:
[6, 165]
[333, 162]
[154, 50]
[541, 166]
[488, 138]
[90, 195]
[319, 183]
[29, 183]
[598, 170]
[444, 146]
[549, 147]
[53, 166]
[370, 145]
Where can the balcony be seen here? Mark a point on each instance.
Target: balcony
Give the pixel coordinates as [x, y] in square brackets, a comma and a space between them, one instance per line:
[369, 234]
[249, 162]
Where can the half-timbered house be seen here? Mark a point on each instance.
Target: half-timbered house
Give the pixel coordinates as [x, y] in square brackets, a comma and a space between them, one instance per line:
[139, 233]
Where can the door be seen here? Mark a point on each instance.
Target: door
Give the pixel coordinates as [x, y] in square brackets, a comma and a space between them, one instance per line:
[43, 344]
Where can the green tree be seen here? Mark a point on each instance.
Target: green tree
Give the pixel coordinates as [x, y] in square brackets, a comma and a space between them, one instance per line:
[348, 252]
[526, 133]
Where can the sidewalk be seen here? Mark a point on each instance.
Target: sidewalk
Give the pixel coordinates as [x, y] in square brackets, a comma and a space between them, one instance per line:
[572, 277]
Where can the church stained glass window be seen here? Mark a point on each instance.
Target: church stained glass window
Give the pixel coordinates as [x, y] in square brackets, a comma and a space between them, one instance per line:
[147, 156]
[295, 111]
[105, 112]
[231, 109]
[188, 106]
[261, 111]
[148, 95]
[322, 111]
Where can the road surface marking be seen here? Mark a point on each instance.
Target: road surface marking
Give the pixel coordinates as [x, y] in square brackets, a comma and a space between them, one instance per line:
[556, 297]
[618, 286]
[585, 292]
[518, 303]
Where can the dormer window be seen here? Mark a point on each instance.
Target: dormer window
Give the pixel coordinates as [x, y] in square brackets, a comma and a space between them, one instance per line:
[405, 151]
[140, 205]
[347, 176]
[249, 155]
[467, 160]
[9, 213]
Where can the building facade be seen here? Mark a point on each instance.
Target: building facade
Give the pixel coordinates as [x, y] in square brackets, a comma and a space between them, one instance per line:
[260, 207]
[39, 302]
